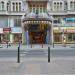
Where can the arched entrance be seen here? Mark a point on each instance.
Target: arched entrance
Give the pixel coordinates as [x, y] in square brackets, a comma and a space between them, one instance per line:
[38, 33]
[39, 30]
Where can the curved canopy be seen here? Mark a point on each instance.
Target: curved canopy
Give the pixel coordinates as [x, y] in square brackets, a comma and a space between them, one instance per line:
[37, 17]
[43, 15]
[31, 15]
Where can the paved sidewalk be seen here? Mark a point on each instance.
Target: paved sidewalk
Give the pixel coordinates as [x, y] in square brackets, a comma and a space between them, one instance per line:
[33, 66]
[37, 65]
[38, 46]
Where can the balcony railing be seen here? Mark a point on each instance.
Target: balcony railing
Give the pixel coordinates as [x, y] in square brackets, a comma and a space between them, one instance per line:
[63, 12]
[70, 11]
[3, 12]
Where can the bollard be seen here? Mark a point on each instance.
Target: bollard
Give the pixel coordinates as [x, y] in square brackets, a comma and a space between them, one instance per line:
[18, 54]
[19, 44]
[31, 45]
[53, 44]
[7, 44]
[42, 45]
[48, 54]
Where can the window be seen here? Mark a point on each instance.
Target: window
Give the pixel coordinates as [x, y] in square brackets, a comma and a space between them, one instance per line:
[69, 37]
[34, 9]
[74, 5]
[3, 22]
[60, 6]
[13, 6]
[19, 6]
[57, 37]
[17, 22]
[2, 5]
[54, 5]
[44, 9]
[57, 6]
[40, 9]
[16, 6]
[7, 6]
[57, 21]
[71, 5]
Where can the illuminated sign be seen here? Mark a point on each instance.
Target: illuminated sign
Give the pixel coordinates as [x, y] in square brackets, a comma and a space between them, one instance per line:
[67, 19]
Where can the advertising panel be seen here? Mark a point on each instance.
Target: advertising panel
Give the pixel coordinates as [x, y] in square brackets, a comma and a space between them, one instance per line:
[16, 30]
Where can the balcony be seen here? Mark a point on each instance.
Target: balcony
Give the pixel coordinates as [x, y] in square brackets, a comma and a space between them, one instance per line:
[64, 12]
[15, 12]
[70, 11]
[3, 12]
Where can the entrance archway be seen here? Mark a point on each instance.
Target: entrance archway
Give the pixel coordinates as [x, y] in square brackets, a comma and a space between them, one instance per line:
[39, 30]
[38, 33]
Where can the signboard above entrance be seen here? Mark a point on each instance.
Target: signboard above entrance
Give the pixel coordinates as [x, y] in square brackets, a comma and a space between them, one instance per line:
[6, 30]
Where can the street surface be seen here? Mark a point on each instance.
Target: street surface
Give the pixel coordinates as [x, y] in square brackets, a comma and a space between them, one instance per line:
[34, 61]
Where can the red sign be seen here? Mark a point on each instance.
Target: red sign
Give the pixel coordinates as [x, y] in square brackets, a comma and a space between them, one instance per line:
[6, 29]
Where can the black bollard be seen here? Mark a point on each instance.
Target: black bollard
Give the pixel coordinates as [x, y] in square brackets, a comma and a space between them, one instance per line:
[18, 54]
[48, 54]
[19, 44]
[53, 44]
[7, 44]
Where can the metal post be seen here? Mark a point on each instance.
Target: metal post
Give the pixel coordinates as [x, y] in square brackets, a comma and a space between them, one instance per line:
[53, 44]
[31, 43]
[19, 44]
[48, 54]
[42, 40]
[7, 44]
[18, 54]
[42, 44]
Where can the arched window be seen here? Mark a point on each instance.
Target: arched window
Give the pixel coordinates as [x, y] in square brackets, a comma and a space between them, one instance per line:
[55, 6]
[7, 6]
[2, 3]
[16, 6]
[13, 6]
[19, 6]
[71, 5]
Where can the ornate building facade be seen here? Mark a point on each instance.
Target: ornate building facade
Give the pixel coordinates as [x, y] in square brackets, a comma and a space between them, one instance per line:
[46, 21]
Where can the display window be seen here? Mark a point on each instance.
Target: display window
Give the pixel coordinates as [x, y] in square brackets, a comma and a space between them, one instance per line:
[17, 38]
[57, 37]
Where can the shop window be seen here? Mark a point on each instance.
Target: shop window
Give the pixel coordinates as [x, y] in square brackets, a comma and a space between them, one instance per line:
[73, 37]
[17, 38]
[57, 37]
[69, 37]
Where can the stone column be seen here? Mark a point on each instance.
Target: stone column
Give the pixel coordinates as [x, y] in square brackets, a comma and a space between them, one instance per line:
[11, 38]
[52, 36]
[23, 35]
[48, 36]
